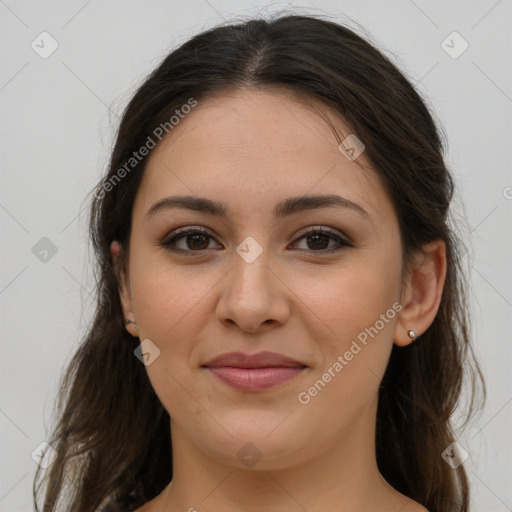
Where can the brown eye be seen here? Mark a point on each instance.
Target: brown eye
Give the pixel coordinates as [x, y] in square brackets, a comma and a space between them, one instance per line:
[198, 241]
[188, 240]
[318, 240]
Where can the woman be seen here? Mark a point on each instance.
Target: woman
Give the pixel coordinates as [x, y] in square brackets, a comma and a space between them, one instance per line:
[281, 322]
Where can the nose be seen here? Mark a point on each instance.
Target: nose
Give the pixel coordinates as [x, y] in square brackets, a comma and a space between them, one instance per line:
[254, 296]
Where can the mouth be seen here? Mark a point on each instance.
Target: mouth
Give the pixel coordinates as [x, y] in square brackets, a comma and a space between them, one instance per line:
[254, 372]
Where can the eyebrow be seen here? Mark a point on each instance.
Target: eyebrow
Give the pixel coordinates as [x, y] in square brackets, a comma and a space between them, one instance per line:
[285, 208]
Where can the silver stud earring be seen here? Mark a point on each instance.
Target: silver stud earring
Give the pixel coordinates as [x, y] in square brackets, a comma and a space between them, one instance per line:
[412, 334]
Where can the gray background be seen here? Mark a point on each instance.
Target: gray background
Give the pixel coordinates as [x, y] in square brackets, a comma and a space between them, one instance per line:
[58, 116]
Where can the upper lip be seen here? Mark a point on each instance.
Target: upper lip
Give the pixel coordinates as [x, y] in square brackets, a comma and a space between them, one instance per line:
[259, 360]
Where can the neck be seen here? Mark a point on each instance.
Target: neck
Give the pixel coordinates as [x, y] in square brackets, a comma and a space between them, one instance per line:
[344, 477]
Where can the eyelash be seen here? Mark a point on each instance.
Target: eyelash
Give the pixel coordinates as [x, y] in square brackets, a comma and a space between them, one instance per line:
[311, 230]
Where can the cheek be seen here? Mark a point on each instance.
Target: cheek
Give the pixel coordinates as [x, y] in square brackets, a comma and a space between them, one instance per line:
[356, 350]
[170, 305]
[165, 294]
[358, 310]
[352, 298]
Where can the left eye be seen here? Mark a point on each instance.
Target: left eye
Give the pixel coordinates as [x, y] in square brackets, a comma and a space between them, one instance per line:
[318, 239]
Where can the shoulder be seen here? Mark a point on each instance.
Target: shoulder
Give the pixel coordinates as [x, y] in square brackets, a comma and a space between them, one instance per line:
[413, 506]
[406, 504]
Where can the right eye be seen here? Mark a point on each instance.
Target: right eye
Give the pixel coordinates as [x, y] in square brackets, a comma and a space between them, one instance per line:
[191, 239]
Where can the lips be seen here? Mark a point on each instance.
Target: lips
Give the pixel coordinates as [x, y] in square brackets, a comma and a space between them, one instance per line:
[254, 372]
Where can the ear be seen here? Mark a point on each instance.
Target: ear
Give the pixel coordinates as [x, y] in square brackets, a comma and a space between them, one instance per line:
[124, 289]
[422, 292]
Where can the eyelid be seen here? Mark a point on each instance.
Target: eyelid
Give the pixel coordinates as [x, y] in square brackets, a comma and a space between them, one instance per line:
[184, 231]
[323, 229]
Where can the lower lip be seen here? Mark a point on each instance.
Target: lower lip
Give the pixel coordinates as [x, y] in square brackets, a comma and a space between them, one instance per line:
[255, 379]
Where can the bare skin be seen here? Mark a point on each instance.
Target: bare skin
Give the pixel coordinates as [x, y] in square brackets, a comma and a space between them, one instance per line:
[251, 150]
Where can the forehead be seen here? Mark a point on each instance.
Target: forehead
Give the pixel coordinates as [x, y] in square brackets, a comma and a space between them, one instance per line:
[259, 147]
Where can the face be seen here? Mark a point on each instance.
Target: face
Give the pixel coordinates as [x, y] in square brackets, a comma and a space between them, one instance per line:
[316, 282]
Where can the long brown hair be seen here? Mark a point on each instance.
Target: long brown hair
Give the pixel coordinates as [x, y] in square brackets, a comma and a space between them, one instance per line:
[112, 434]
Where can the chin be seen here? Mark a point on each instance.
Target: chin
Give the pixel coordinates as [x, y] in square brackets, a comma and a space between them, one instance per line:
[259, 444]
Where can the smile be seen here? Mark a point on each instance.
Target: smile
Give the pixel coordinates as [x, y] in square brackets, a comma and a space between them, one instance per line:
[255, 379]
[254, 372]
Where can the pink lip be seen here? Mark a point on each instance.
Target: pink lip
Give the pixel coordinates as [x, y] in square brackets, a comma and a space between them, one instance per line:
[254, 372]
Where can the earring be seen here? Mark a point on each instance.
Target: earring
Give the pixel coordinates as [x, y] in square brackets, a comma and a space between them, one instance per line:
[131, 327]
[412, 334]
